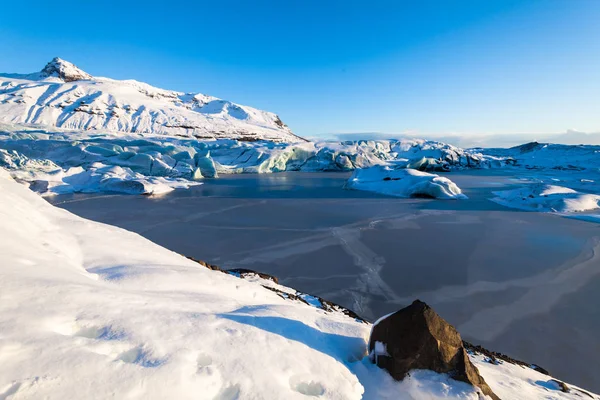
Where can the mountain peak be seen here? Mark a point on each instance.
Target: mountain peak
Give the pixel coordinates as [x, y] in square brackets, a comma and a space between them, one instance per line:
[64, 70]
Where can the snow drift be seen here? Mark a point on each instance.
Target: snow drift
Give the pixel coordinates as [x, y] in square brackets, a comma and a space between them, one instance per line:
[404, 183]
[64, 96]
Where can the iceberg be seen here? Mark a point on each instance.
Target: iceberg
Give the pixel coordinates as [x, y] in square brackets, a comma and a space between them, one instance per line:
[403, 183]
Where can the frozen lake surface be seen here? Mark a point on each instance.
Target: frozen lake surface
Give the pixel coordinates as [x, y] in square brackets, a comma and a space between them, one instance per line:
[522, 283]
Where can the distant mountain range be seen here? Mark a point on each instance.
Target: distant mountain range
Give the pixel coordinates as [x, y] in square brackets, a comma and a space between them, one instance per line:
[570, 137]
[64, 96]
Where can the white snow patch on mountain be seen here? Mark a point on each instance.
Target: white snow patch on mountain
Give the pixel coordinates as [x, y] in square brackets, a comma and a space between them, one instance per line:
[404, 183]
[64, 96]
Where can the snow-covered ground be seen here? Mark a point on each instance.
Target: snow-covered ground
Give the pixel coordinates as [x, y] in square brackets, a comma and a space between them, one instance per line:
[92, 311]
[405, 182]
[62, 95]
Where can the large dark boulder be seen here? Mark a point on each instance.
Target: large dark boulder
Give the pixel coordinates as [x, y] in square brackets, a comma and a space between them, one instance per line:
[416, 337]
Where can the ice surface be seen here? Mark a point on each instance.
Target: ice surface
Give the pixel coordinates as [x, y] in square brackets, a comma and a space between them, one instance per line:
[115, 315]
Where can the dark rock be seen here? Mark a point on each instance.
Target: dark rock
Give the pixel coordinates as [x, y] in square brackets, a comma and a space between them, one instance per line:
[416, 337]
[242, 272]
[285, 295]
[563, 386]
[495, 357]
[528, 147]
[64, 70]
[540, 369]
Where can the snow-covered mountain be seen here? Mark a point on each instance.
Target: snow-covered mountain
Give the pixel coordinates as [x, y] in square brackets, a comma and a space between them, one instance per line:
[91, 311]
[62, 95]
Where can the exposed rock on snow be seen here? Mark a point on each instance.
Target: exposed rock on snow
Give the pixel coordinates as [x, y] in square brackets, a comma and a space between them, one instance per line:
[496, 358]
[64, 96]
[403, 183]
[416, 337]
[272, 283]
[547, 198]
[63, 70]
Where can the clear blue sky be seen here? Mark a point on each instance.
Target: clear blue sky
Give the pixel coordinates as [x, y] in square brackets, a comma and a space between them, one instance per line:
[423, 66]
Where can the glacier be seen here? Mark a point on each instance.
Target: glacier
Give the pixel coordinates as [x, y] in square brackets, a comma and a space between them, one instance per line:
[59, 161]
[53, 160]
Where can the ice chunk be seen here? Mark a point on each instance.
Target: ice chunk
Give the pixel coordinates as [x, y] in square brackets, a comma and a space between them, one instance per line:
[206, 164]
[404, 183]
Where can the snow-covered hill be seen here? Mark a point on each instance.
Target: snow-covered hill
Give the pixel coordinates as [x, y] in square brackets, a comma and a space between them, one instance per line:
[62, 95]
[91, 311]
[536, 155]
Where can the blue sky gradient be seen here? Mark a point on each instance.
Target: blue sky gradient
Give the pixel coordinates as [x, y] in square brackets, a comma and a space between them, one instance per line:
[419, 67]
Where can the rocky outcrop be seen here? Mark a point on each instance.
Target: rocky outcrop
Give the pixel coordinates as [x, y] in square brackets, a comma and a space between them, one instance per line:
[284, 292]
[494, 357]
[64, 70]
[416, 337]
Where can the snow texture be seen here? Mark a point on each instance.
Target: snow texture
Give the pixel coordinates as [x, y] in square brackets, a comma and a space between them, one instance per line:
[404, 183]
[93, 311]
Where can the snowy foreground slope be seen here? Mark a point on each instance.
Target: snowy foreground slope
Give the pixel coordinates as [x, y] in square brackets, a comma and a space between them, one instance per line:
[62, 95]
[92, 311]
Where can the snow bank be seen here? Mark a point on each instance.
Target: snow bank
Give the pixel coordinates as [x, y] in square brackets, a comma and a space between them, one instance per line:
[547, 198]
[403, 183]
[91, 311]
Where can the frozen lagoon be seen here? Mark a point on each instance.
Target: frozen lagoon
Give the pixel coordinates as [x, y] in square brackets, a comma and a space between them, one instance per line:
[518, 282]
